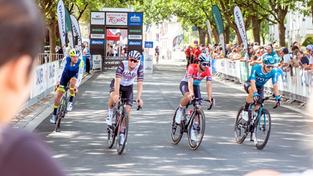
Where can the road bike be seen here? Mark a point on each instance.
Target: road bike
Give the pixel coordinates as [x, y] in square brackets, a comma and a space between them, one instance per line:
[193, 121]
[119, 126]
[258, 125]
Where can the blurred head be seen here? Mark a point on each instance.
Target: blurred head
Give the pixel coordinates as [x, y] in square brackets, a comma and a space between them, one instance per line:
[269, 48]
[74, 55]
[21, 33]
[309, 48]
[204, 61]
[133, 58]
[269, 62]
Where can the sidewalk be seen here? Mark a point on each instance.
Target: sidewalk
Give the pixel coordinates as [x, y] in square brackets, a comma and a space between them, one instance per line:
[30, 117]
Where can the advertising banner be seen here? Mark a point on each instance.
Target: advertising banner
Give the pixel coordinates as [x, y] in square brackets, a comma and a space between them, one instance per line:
[61, 23]
[135, 19]
[209, 30]
[241, 26]
[76, 31]
[116, 19]
[218, 19]
[97, 18]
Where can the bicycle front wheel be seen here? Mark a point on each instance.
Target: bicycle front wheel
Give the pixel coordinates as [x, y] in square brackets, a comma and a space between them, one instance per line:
[122, 133]
[60, 115]
[263, 129]
[240, 128]
[196, 129]
[111, 132]
[177, 130]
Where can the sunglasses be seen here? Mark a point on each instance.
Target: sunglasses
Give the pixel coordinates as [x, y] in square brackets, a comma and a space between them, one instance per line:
[205, 64]
[133, 60]
[269, 66]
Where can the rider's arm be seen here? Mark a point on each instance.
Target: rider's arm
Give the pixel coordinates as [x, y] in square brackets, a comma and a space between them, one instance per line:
[209, 89]
[62, 68]
[118, 78]
[117, 84]
[252, 78]
[190, 85]
[275, 83]
[140, 76]
[80, 73]
[190, 79]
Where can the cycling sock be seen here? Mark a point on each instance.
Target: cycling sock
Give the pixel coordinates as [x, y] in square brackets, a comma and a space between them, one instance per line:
[55, 111]
[181, 107]
[110, 112]
[71, 98]
[247, 106]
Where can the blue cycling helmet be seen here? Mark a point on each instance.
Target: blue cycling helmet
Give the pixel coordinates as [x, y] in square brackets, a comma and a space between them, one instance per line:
[134, 54]
[203, 58]
[270, 60]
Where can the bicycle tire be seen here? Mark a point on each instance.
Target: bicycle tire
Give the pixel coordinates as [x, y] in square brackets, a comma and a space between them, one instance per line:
[60, 115]
[111, 135]
[176, 129]
[239, 138]
[120, 147]
[261, 128]
[194, 145]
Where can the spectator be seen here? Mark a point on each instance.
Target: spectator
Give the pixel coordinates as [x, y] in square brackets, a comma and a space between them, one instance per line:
[188, 55]
[304, 60]
[286, 60]
[86, 58]
[309, 50]
[21, 153]
[157, 54]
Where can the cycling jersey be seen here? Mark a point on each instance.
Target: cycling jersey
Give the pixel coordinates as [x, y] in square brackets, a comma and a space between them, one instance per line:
[261, 78]
[127, 76]
[70, 70]
[193, 72]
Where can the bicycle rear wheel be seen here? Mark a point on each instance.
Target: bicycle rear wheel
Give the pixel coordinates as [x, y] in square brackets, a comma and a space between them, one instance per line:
[196, 129]
[112, 130]
[177, 130]
[240, 129]
[263, 129]
[122, 133]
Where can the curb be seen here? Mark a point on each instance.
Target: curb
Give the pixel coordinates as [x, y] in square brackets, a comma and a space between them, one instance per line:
[34, 119]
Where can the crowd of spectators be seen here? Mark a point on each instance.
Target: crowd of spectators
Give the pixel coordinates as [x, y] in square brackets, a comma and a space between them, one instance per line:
[295, 56]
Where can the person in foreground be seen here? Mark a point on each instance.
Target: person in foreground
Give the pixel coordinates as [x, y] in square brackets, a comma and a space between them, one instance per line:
[21, 34]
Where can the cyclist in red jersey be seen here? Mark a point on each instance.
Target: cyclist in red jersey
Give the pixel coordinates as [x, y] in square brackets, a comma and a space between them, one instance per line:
[190, 84]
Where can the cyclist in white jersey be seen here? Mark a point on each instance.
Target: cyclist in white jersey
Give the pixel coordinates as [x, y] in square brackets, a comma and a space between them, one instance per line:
[126, 73]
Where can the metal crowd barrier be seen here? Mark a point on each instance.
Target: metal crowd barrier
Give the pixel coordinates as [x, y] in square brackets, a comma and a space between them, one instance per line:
[294, 86]
[47, 58]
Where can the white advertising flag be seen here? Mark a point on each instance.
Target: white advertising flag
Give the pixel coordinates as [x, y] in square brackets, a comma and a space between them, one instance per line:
[61, 22]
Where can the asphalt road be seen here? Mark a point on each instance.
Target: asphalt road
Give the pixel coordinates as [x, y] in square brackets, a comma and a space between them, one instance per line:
[80, 146]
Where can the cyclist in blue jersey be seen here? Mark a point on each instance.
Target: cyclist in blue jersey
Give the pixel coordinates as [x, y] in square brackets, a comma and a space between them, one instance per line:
[254, 86]
[72, 73]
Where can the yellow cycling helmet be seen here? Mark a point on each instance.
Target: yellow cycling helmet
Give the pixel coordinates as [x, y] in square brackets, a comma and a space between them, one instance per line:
[73, 53]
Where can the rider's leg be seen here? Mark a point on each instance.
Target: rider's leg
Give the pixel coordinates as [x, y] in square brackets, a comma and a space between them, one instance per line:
[72, 89]
[185, 91]
[59, 93]
[110, 104]
[249, 98]
[183, 102]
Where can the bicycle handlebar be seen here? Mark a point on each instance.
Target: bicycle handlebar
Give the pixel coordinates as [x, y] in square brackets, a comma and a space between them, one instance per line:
[277, 104]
